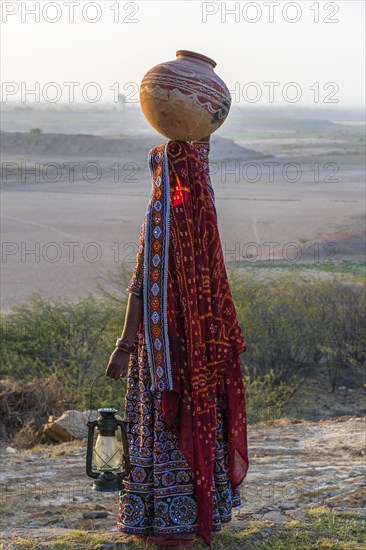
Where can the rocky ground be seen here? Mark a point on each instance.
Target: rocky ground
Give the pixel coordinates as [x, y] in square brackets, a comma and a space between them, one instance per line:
[295, 468]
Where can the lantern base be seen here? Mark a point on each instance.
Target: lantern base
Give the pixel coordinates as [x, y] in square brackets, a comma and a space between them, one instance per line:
[108, 482]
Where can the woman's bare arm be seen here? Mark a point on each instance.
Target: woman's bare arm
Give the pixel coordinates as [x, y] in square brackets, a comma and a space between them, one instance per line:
[119, 359]
[133, 318]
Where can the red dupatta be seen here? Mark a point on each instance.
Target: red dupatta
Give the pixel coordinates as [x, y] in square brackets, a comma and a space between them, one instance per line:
[190, 323]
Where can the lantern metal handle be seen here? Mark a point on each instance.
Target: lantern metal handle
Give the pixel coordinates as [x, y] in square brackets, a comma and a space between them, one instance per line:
[91, 391]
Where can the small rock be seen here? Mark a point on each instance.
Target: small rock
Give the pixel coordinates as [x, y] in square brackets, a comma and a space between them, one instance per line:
[89, 514]
[262, 510]
[287, 506]
[11, 450]
[277, 517]
[70, 426]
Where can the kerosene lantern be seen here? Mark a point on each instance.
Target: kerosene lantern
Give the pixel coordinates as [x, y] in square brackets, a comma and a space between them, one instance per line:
[106, 454]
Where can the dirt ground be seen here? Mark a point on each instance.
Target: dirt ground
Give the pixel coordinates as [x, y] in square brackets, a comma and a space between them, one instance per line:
[66, 229]
[294, 466]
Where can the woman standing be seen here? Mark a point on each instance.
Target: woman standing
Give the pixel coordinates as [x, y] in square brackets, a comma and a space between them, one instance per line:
[180, 349]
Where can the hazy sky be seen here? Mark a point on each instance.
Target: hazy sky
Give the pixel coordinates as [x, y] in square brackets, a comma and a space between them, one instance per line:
[325, 59]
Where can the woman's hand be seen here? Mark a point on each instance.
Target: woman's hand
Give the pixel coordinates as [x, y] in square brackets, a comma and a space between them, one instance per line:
[118, 364]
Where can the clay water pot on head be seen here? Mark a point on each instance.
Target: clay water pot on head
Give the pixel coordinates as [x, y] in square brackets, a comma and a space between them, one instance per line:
[184, 99]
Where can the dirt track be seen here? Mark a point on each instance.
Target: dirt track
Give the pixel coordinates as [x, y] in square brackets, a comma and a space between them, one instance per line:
[294, 466]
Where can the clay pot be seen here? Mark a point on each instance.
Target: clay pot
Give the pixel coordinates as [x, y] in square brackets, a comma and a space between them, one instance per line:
[184, 99]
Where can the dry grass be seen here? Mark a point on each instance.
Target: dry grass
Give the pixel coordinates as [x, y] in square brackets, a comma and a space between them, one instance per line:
[25, 407]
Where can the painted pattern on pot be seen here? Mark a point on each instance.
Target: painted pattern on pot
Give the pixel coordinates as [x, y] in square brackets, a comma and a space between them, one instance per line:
[185, 99]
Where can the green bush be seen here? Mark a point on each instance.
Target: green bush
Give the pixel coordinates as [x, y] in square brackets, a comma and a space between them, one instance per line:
[70, 339]
[266, 396]
[292, 326]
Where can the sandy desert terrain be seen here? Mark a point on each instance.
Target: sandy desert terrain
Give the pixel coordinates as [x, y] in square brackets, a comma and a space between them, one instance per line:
[72, 204]
[294, 468]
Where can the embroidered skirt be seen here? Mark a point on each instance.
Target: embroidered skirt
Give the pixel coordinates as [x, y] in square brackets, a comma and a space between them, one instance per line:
[158, 495]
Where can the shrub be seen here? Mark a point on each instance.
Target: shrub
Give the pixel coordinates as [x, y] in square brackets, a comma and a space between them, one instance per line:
[292, 325]
[25, 406]
[71, 340]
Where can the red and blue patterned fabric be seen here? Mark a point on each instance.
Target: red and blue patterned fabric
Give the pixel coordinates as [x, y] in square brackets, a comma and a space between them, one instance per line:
[186, 396]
